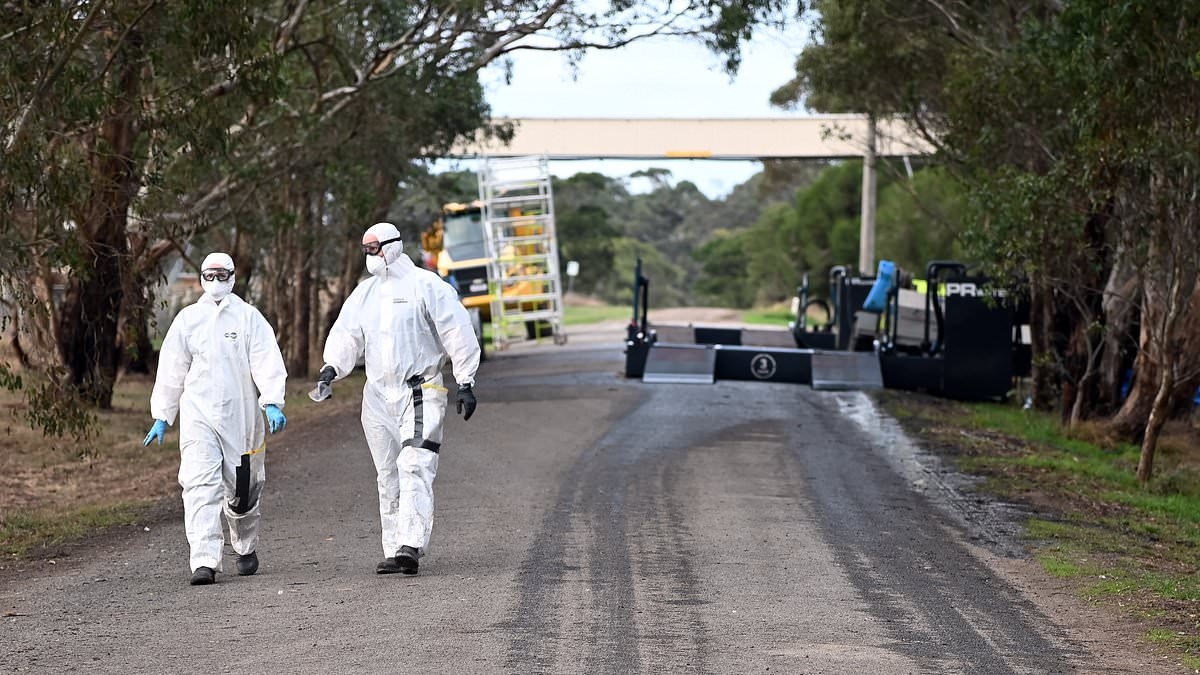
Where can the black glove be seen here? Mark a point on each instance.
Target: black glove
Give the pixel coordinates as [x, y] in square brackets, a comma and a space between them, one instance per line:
[466, 399]
[327, 375]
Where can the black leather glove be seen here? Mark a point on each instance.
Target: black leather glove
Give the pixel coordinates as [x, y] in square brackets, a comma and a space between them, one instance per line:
[466, 401]
[327, 375]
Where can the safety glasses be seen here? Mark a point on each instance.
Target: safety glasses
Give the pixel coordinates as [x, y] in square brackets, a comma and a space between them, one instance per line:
[374, 247]
[216, 275]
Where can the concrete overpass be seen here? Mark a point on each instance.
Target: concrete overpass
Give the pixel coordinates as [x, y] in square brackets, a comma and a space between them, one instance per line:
[820, 137]
[815, 137]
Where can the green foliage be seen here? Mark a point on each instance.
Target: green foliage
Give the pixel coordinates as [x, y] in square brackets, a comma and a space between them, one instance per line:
[664, 276]
[59, 411]
[587, 239]
[920, 220]
[676, 220]
[723, 279]
[774, 253]
[8, 379]
[1071, 127]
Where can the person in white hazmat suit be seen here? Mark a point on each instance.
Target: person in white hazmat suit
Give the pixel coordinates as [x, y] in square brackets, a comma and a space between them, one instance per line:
[217, 351]
[406, 321]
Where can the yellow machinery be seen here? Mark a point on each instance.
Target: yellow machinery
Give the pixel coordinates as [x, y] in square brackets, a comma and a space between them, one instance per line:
[504, 276]
[456, 248]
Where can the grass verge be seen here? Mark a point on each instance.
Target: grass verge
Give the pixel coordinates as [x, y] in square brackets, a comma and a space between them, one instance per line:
[24, 530]
[1133, 549]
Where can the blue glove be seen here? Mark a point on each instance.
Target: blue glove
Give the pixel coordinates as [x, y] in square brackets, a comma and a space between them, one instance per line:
[275, 419]
[156, 431]
[877, 299]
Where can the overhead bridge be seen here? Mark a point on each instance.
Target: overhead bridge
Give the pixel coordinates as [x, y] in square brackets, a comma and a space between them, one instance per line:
[814, 137]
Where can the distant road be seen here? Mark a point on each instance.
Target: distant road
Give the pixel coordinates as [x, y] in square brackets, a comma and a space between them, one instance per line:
[585, 524]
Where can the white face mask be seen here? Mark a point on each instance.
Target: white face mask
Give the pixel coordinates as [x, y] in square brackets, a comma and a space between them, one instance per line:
[375, 264]
[217, 290]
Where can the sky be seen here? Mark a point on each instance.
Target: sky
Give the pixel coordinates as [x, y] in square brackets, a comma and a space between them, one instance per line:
[659, 77]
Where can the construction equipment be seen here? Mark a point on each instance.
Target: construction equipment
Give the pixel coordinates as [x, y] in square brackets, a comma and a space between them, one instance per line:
[967, 344]
[501, 254]
[523, 272]
[456, 248]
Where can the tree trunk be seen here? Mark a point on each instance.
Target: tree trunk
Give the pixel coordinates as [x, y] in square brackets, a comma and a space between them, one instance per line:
[1120, 337]
[91, 309]
[1045, 368]
[1168, 359]
[1154, 425]
[352, 266]
[300, 316]
[136, 348]
[1182, 399]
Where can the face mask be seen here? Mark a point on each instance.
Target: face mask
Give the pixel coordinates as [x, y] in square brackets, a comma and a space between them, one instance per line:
[218, 289]
[375, 264]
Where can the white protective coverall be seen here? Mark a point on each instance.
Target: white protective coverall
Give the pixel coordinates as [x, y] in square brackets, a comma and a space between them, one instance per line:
[407, 321]
[213, 357]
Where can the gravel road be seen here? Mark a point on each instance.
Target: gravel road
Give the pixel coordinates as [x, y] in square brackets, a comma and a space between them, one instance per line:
[585, 524]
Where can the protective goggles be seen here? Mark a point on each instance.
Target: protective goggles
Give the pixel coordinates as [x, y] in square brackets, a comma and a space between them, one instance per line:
[374, 247]
[216, 275]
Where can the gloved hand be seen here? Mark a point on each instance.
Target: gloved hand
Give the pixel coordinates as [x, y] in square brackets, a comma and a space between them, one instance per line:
[275, 419]
[327, 375]
[324, 388]
[466, 400]
[156, 431]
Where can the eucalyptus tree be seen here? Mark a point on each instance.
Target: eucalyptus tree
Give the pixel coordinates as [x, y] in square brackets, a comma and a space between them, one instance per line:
[95, 102]
[1072, 125]
[1109, 114]
[135, 128]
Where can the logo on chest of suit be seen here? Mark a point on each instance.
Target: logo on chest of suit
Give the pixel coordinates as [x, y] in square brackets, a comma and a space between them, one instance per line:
[231, 335]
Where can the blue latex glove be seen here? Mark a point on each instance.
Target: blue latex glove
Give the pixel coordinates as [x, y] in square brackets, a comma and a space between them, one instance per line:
[877, 299]
[156, 431]
[275, 419]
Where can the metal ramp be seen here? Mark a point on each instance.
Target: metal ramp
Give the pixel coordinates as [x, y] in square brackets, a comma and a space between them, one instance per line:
[523, 272]
[680, 364]
[838, 370]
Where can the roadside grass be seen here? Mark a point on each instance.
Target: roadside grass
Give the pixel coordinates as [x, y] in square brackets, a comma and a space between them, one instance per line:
[1134, 549]
[775, 315]
[54, 490]
[575, 315]
[23, 530]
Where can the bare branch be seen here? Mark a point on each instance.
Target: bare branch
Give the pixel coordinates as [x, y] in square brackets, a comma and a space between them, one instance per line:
[19, 127]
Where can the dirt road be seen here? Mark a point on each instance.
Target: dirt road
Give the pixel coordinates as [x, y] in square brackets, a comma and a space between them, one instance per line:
[585, 524]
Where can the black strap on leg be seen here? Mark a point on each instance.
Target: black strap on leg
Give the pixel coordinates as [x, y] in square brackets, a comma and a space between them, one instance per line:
[241, 493]
[432, 446]
[418, 398]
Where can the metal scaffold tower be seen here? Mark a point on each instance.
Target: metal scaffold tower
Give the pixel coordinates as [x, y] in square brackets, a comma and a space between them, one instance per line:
[518, 216]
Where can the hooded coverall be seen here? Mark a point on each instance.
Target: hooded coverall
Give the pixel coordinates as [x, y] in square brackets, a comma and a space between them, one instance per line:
[406, 321]
[213, 357]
